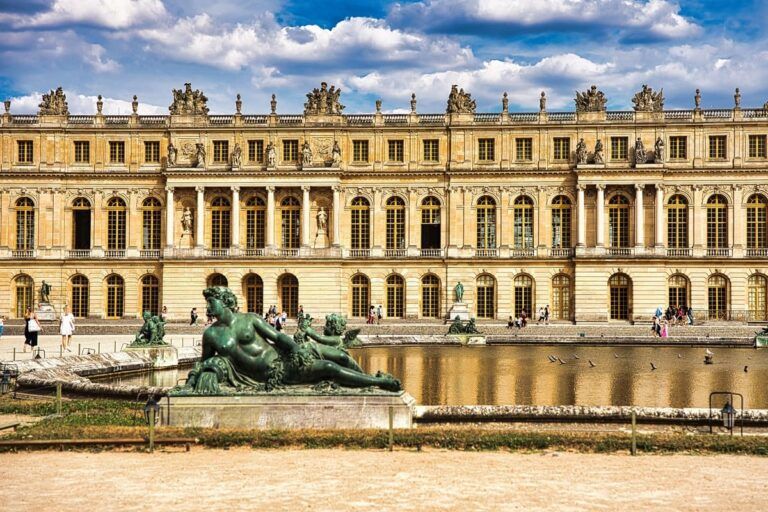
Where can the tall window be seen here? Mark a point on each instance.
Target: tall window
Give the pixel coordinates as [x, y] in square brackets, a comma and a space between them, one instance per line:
[255, 214]
[254, 294]
[256, 151]
[361, 296]
[523, 295]
[486, 223]
[717, 147]
[430, 223]
[79, 296]
[395, 223]
[395, 150]
[678, 147]
[561, 297]
[756, 290]
[619, 286]
[150, 228]
[81, 224]
[217, 280]
[290, 210]
[431, 150]
[677, 222]
[430, 296]
[395, 296]
[561, 147]
[289, 295]
[618, 221]
[361, 223]
[561, 222]
[25, 224]
[221, 214]
[150, 294]
[678, 291]
[524, 149]
[116, 152]
[291, 151]
[116, 224]
[757, 205]
[25, 151]
[717, 222]
[25, 294]
[115, 295]
[717, 297]
[360, 151]
[619, 148]
[82, 152]
[486, 150]
[221, 151]
[757, 146]
[486, 296]
[523, 223]
[152, 151]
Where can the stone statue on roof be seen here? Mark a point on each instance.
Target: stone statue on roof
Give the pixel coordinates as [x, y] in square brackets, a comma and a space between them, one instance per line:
[460, 102]
[324, 100]
[188, 102]
[590, 100]
[54, 103]
[648, 101]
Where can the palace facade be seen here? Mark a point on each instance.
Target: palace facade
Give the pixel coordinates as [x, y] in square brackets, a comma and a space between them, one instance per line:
[602, 215]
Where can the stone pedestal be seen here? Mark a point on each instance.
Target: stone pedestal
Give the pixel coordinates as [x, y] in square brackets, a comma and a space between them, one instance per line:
[290, 411]
[460, 309]
[45, 312]
[186, 241]
[162, 356]
[321, 239]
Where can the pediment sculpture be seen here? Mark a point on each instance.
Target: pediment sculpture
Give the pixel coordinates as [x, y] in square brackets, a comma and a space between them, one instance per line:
[54, 103]
[648, 101]
[323, 100]
[590, 100]
[460, 102]
[188, 102]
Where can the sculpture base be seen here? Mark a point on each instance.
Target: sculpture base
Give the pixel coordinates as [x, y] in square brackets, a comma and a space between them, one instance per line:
[460, 309]
[287, 411]
[163, 356]
[185, 242]
[46, 312]
[321, 240]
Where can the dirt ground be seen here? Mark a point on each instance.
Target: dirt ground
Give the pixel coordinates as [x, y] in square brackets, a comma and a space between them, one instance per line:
[245, 479]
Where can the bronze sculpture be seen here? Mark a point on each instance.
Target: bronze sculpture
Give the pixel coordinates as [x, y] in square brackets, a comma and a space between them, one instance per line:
[151, 333]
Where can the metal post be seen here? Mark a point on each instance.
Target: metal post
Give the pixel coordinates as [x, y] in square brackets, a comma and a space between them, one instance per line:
[151, 429]
[114, 349]
[78, 349]
[634, 433]
[14, 353]
[98, 348]
[391, 425]
[61, 350]
[58, 398]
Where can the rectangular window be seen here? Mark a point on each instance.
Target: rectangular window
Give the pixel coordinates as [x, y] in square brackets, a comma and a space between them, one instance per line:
[152, 152]
[757, 146]
[619, 148]
[562, 148]
[360, 150]
[486, 150]
[25, 151]
[717, 147]
[431, 150]
[221, 151]
[524, 150]
[395, 150]
[678, 148]
[82, 152]
[291, 151]
[116, 152]
[256, 151]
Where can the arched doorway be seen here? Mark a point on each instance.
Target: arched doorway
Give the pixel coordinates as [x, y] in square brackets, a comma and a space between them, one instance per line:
[430, 296]
[116, 224]
[81, 224]
[756, 293]
[561, 297]
[486, 296]
[679, 291]
[289, 294]
[79, 296]
[24, 288]
[25, 224]
[150, 294]
[361, 293]
[395, 286]
[254, 294]
[115, 296]
[620, 286]
[217, 280]
[718, 297]
[430, 223]
[523, 295]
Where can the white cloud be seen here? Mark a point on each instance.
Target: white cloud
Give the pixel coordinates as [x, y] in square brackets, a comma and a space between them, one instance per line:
[113, 14]
[82, 104]
[94, 57]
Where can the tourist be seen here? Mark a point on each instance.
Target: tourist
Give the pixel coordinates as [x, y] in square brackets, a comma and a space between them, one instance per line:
[510, 322]
[689, 313]
[27, 316]
[371, 315]
[2, 326]
[301, 311]
[541, 316]
[32, 329]
[193, 316]
[277, 322]
[523, 318]
[66, 329]
[656, 326]
[164, 314]
[379, 314]
[546, 315]
[664, 326]
[284, 318]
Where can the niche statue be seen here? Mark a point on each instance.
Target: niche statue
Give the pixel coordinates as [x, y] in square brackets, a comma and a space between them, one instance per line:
[242, 352]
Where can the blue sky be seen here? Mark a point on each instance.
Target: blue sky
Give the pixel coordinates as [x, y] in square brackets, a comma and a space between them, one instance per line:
[385, 50]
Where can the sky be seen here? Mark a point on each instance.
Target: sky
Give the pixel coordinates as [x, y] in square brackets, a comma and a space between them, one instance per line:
[385, 50]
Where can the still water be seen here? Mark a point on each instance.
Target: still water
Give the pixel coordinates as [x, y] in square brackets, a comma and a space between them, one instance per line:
[523, 374]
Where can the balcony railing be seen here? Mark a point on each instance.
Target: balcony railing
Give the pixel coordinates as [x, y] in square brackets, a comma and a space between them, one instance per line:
[287, 253]
[23, 254]
[561, 252]
[114, 253]
[431, 253]
[359, 253]
[618, 251]
[253, 252]
[217, 253]
[79, 253]
[487, 253]
[149, 253]
[722, 252]
[522, 252]
[396, 253]
[757, 253]
[678, 252]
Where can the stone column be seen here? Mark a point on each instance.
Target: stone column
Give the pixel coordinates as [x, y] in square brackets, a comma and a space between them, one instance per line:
[305, 207]
[600, 216]
[270, 217]
[582, 218]
[235, 217]
[639, 217]
[169, 217]
[200, 220]
[659, 238]
[336, 216]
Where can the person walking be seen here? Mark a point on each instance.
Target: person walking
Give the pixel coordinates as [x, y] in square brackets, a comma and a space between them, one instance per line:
[371, 315]
[164, 314]
[33, 329]
[2, 326]
[664, 328]
[193, 317]
[546, 315]
[66, 329]
[379, 314]
[27, 316]
[689, 314]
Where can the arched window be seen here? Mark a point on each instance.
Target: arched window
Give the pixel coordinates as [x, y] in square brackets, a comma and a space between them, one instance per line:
[254, 294]
[523, 295]
[361, 295]
[717, 222]
[255, 230]
[115, 296]
[430, 296]
[217, 280]
[486, 223]
[620, 292]
[757, 206]
[361, 223]
[486, 296]
[290, 211]
[679, 290]
[25, 224]
[395, 223]
[80, 296]
[756, 290]
[523, 223]
[561, 297]
[561, 222]
[150, 294]
[150, 228]
[289, 294]
[221, 216]
[395, 296]
[25, 294]
[430, 223]
[81, 224]
[618, 221]
[115, 224]
[717, 297]
[677, 222]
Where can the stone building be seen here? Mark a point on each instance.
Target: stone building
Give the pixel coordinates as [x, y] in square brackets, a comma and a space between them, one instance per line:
[602, 215]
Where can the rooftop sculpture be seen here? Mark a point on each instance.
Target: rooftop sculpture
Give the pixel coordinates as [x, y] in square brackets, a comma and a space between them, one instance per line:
[460, 102]
[590, 100]
[188, 102]
[648, 101]
[54, 103]
[323, 100]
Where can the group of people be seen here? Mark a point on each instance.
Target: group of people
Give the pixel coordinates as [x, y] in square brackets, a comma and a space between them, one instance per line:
[33, 328]
[375, 314]
[277, 319]
[522, 319]
[673, 315]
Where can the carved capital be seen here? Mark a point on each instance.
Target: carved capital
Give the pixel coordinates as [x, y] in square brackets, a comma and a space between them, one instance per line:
[581, 187]
[199, 189]
[661, 188]
[639, 187]
[169, 189]
[305, 188]
[235, 189]
[270, 189]
[336, 188]
[600, 186]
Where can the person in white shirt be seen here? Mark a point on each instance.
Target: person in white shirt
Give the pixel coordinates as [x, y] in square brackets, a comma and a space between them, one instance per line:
[66, 329]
